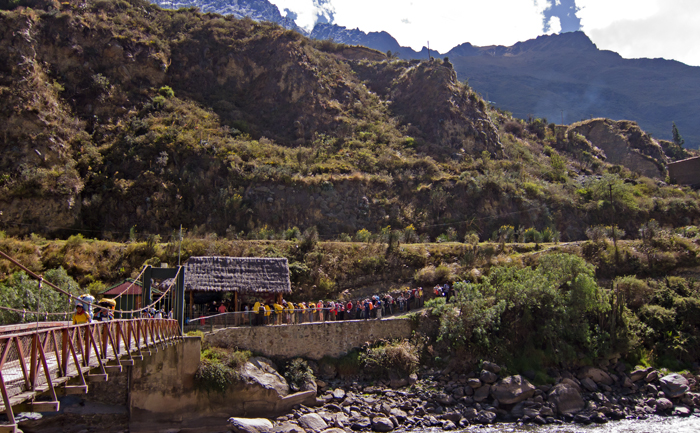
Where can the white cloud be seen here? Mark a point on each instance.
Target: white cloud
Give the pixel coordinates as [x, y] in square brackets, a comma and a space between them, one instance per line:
[554, 25]
[445, 23]
[644, 28]
[633, 28]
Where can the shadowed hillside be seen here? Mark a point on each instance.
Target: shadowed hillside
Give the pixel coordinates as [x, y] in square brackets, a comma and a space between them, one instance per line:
[121, 119]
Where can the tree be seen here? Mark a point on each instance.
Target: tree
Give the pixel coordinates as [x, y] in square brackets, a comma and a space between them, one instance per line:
[677, 138]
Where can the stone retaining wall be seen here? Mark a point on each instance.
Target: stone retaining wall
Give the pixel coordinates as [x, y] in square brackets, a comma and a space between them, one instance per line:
[310, 340]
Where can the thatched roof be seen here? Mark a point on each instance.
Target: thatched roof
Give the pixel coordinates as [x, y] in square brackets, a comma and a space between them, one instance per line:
[237, 274]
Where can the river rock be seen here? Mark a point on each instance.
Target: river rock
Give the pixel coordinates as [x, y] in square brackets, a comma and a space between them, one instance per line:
[360, 423]
[682, 411]
[663, 404]
[470, 413]
[512, 389]
[333, 430]
[488, 376]
[312, 421]
[382, 424]
[338, 394]
[249, 425]
[652, 376]
[486, 417]
[589, 384]
[474, 383]
[490, 366]
[482, 393]
[595, 374]
[640, 374]
[566, 396]
[288, 427]
[449, 425]
[674, 385]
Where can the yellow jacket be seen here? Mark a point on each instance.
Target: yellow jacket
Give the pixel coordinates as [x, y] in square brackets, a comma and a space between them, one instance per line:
[267, 310]
[256, 308]
[278, 308]
[81, 318]
[290, 307]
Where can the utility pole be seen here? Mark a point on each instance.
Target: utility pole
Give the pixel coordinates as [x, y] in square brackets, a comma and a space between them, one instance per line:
[179, 246]
[429, 51]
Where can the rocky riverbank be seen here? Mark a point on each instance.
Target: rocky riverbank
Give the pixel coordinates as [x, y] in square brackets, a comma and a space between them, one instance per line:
[451, 401]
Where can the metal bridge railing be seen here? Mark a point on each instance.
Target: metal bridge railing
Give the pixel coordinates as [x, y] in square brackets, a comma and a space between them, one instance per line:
[34, 360]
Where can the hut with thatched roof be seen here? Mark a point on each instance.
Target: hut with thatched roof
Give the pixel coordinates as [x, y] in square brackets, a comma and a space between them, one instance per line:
[240, 275]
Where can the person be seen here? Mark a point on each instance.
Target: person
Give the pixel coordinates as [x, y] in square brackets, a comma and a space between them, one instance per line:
[80, 315]
[378, 307]
[348, 310]
[368, 307]
[319, 307]
[170, 314]
[222, 308]
[159, 314]
[278, 313]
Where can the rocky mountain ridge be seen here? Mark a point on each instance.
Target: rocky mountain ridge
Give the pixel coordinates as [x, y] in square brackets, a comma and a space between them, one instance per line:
[559, 77]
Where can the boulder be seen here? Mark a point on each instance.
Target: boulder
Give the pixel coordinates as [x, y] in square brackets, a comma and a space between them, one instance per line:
[249, 425]
[490, 366]
[333, 430]
[445, 399]
[488, 376]
[589, 384]
[486, 417]
[382, 424]
[288, 427]
[682, 411]
[360, 423]
[398, 414]
[663, 404]
[312, 421]
[640, 374]
[595, 374]
[470, 413]
[474, 383]
[651, 376]
[449, 425]
[674, 385]
[338, 394]
[482, 393]
[512, 389]
[566, 396]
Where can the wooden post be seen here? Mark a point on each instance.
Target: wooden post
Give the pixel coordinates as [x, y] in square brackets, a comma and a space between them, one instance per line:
[191, 304]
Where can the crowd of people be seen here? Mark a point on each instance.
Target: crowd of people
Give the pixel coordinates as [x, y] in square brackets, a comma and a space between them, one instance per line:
[287, 312]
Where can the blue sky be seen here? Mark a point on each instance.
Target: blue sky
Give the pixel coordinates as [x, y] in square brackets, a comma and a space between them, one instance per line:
[634, 28]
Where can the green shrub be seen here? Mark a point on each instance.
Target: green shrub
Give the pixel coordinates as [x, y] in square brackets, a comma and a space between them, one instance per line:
[399, 356]
[166, 92]
[298, 373]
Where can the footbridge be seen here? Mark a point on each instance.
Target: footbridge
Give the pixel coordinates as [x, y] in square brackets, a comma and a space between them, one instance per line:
[39, 358]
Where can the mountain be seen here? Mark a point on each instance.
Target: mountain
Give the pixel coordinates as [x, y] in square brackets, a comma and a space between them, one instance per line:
[258, 10]
[566, 78]
[563, 78]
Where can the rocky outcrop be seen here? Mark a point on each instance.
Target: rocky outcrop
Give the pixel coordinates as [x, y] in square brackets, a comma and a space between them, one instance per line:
[625, 144]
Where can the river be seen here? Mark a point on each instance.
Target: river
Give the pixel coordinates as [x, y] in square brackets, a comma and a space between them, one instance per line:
[653, 424]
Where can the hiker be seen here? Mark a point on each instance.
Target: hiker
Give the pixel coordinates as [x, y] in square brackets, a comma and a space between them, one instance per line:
[80, 315]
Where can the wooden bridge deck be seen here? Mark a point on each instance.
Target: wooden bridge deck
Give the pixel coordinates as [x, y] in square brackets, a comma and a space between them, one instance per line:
[34, 361]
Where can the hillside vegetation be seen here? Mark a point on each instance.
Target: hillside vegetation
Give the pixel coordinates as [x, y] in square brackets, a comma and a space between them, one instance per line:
[120, 117]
